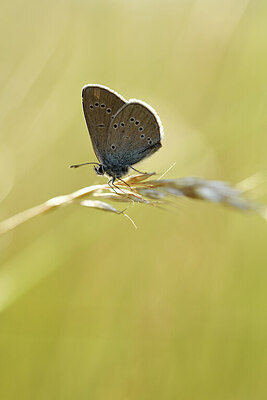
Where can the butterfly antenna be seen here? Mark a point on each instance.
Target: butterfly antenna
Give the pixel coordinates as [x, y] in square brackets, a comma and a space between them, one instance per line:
[80, 165]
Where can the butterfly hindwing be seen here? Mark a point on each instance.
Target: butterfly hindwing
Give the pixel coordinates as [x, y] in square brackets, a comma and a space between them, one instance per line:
[134, 133]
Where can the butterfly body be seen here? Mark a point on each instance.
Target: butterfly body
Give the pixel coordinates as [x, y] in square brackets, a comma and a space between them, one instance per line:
[114, 170]
[122, 132]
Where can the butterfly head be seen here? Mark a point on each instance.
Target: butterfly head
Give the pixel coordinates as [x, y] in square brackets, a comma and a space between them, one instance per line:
[99, 169]
[113, 171]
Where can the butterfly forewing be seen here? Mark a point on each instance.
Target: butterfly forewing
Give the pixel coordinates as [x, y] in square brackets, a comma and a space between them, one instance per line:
[134, 133]
[100, 104]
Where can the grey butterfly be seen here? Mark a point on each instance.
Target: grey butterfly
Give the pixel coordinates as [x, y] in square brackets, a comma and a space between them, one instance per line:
[122, 132]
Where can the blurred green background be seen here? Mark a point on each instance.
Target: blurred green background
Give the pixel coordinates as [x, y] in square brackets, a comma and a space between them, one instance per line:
[90, 308]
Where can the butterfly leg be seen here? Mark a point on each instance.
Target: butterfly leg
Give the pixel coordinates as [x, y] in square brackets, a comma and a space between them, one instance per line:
[112, 185]
[136, 170]
[125, 183]
[117, 187]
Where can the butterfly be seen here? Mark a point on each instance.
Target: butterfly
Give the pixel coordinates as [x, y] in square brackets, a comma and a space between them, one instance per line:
[122, 132]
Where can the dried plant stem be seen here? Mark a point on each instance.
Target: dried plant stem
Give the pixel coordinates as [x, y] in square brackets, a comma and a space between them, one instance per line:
[143, 190]
[18, 219]
[49, 205]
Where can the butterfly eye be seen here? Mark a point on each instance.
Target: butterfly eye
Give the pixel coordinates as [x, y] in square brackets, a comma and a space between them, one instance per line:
[115, 126]
[91, 106]
[132, 119]
[137, 122]
[149, 141]
[101, 170]
[142, 136]
[108, 110]
[122, 123]
[141, 129]
[103, 105]
[113, 147]
[96, 104]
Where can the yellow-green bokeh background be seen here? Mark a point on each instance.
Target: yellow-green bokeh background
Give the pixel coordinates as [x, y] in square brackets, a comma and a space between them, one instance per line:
[90, 307]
